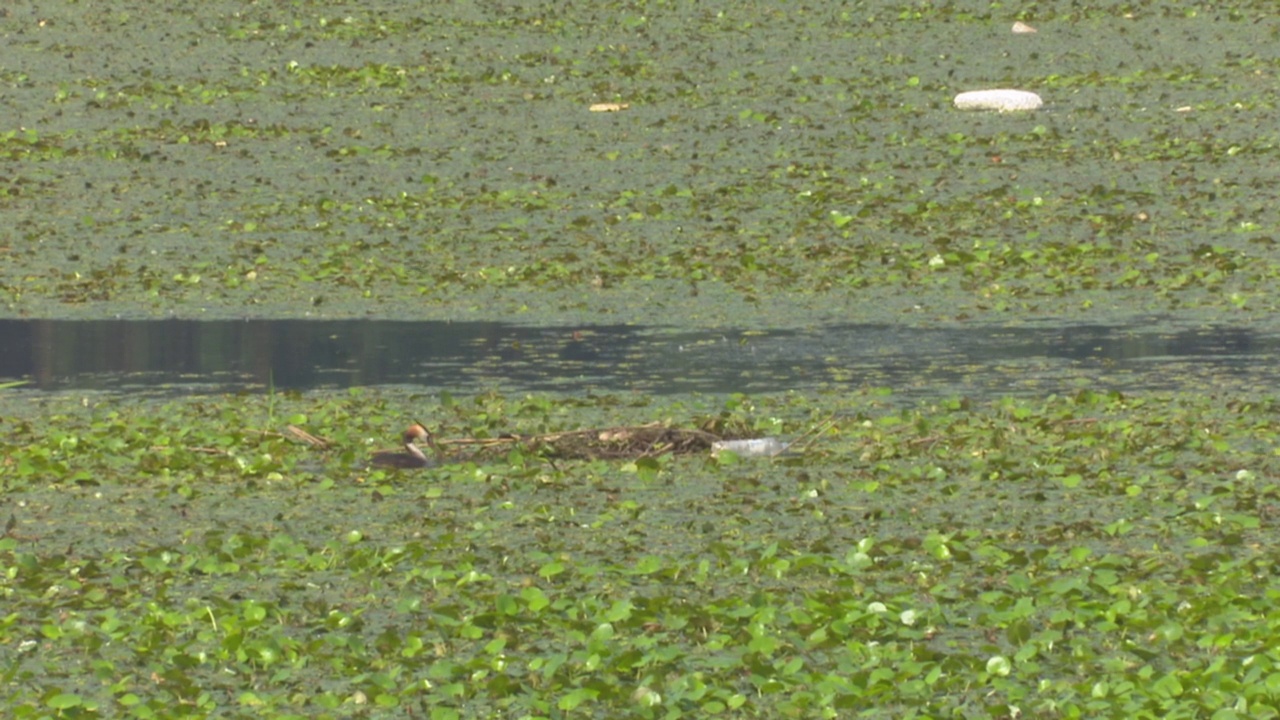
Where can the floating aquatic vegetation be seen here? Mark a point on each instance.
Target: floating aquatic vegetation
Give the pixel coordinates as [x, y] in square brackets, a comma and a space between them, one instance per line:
[1015, 546]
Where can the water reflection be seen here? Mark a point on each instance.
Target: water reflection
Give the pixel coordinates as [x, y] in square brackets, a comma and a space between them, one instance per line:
[182, 356]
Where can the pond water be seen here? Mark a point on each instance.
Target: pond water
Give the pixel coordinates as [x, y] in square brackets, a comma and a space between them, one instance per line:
[180, 356]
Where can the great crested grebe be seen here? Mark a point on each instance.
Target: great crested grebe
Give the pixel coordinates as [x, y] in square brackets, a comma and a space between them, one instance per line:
[412, 455]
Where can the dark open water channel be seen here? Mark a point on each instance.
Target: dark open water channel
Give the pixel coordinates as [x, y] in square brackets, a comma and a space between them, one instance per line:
[179, 356]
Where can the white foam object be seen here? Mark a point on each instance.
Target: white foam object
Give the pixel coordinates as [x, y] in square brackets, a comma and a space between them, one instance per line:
[1001, 100]
[757, 447]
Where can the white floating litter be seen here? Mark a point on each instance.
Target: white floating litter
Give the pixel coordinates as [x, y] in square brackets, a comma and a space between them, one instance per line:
[758, 447]
[1001, 100]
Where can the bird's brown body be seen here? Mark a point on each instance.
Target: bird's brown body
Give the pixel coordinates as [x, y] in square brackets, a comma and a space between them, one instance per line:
[411, 456]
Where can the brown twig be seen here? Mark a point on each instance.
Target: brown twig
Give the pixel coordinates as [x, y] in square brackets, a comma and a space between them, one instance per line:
[812, 434]
[308, 438]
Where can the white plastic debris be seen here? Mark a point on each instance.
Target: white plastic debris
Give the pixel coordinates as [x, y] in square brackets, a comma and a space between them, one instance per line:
[1000, 100]
[758, 447]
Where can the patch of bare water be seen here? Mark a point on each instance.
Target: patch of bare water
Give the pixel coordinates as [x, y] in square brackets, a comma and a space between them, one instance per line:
[180, 356]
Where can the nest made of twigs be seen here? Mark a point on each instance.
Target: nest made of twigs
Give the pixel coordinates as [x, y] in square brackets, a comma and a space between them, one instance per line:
[628, 442]
[623, 442]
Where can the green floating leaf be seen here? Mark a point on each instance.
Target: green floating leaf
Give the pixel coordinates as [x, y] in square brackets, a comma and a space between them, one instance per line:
[648, 469]
[65, 701]
[577, 697]
[647, 565]
[534, 598]
[551, 569]
[506, 604]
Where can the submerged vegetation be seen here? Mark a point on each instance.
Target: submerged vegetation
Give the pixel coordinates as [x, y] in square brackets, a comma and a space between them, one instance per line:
[1078, 556]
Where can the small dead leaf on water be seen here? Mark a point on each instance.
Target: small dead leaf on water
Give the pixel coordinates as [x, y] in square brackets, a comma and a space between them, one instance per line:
[1022, 28]
[608, 107]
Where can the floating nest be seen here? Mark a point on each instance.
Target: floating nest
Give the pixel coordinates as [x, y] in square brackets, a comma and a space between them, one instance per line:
[624, 442]
[629, 442]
